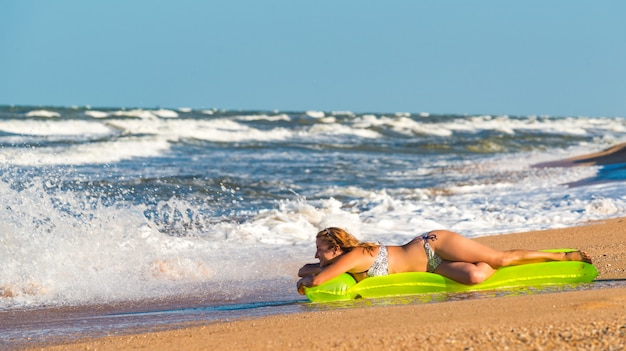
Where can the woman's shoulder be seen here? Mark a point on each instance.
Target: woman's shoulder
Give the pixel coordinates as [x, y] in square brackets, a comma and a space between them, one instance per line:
[364, 252]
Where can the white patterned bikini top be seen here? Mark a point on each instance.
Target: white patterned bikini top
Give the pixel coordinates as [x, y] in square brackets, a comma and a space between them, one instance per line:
[380, 265]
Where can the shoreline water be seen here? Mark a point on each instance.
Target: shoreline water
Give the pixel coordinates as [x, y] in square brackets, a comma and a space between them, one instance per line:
[604, 309]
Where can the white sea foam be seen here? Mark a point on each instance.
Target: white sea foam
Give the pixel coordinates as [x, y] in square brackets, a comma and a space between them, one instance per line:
[315, 114]
[404, 125]
[96, 114]
[56, 128]
[339, 129]
[155, 138]
[216, 130]
[43, 113]
[82, 260]
[135, 114]
[510, 126]
[163, 113]
[87, 153]
[262, 117]
[224, 130]
[506, 124]
[343, 113]
[117, 255]
[483, 209]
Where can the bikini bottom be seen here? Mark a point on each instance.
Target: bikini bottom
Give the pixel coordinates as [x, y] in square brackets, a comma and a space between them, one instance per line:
[433, 259]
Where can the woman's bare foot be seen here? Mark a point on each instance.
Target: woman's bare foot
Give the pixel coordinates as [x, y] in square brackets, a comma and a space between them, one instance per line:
[577, 256]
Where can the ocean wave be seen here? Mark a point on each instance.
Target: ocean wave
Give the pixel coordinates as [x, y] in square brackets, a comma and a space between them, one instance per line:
[43, 113]
[422, 124]
[97, 152]
[58, 128]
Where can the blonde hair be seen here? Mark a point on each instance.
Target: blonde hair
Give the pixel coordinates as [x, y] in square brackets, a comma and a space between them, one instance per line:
[334, 236]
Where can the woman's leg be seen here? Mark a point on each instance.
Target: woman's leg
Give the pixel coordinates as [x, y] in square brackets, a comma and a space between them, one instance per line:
[453, 247]
[465, 273]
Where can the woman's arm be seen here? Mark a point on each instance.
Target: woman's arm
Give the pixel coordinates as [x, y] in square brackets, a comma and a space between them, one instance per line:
[309, 269]
[354, 261]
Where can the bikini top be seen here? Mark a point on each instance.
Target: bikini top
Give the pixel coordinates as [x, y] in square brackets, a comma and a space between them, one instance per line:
[380, 265]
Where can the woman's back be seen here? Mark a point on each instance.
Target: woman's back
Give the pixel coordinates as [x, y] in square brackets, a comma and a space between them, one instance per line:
[406, 258]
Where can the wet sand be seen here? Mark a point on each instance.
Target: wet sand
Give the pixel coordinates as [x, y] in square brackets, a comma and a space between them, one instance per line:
[612, 155]
[588, 319]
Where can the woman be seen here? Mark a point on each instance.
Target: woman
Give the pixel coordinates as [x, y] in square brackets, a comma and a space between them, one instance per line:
[442, 252]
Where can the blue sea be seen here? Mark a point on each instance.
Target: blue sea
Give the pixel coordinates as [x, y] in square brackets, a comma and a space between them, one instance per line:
[187, 207]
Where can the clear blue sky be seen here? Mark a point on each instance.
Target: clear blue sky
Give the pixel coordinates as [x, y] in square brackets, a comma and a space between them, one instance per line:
[495, 57]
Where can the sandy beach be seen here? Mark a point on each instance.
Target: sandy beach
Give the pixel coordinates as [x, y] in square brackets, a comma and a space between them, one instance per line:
[589, 319]
[612, 155]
